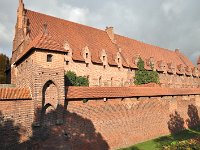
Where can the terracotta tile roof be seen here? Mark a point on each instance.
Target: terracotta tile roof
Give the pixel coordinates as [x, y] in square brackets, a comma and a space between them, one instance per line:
[15, 94]
[44, 41]
[120, 92]
[79, 36]
[131, 48]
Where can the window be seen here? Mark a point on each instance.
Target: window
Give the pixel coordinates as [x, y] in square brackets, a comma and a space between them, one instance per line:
[104, 58]
[86, 55]
[118, 60]
[49, 58]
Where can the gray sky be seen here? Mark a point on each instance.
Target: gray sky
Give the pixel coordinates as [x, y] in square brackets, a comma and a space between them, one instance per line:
[166, 23]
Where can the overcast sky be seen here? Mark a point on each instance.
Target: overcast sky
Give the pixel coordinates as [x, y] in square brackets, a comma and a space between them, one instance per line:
[166, 23]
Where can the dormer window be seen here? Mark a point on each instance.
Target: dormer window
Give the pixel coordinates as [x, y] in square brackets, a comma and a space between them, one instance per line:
[49, 58]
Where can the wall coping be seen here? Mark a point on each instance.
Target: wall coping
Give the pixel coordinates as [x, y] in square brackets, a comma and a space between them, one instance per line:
[12, 93]
[73, 92]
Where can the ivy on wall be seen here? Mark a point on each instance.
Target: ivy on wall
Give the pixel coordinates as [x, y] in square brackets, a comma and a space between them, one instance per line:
[71, 79]
[143, 76]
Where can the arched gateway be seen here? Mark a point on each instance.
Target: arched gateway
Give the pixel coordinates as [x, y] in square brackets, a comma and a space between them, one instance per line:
[49, 103]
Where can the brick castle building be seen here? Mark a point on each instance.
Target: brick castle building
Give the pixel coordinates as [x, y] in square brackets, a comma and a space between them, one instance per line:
[45, 47]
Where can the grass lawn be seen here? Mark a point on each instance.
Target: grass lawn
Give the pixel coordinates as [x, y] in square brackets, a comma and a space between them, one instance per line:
[156, 144]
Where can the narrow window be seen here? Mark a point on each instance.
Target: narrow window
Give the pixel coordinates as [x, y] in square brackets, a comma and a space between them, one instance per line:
[104, 58]
[100, 81]
[49, 58]
[86, 55]
[111, 81]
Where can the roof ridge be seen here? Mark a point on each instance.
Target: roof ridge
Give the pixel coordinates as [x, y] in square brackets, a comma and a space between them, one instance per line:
[169, 50]
[65, 20]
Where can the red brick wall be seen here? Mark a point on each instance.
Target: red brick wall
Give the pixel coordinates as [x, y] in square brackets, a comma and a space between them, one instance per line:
[16, 117]
[97, 124]
[122, 123]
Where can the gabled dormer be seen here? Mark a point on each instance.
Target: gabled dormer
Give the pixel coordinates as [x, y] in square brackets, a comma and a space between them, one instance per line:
[86, 55]
[68, 53]
[195, 72]
[104, 58]
[171, 68]
[134, 62]
[180, 69]
[162, 66]
[118, 60]
[150, 63]
[188, 71]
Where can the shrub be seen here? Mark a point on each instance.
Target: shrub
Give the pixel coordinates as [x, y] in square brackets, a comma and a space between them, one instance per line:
[71, 79]
[143, 76]
[190, 144]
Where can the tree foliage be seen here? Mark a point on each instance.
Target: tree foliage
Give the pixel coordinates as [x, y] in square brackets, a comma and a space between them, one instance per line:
[143, 76]
[4, 63]
[71, 79]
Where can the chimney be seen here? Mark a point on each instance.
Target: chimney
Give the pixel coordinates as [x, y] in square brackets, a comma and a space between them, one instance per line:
[20, 14]
[177, 50]
[198, 63]
[110, 32]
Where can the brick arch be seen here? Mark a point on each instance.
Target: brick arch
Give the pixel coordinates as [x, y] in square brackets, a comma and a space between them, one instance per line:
[48, 115]
[50, 94]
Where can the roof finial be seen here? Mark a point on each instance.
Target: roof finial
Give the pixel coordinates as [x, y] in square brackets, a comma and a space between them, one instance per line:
[177, 50]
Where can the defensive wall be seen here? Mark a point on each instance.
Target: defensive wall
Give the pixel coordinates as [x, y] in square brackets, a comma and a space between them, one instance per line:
[97, 117]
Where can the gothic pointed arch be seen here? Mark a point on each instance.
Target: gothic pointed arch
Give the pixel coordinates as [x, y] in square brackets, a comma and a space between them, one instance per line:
[50, 94]
[49, 104]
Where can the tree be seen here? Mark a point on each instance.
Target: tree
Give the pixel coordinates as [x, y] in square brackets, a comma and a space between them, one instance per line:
[71, 79]
[143, 76]
[4, 63]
